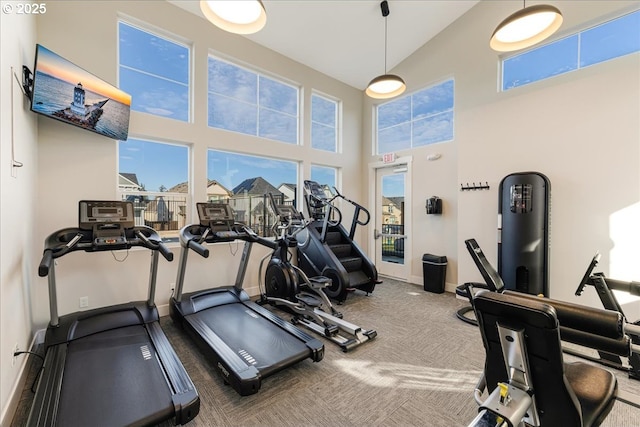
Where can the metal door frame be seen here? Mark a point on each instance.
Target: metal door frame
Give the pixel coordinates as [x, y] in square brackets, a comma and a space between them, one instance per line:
[400, 162]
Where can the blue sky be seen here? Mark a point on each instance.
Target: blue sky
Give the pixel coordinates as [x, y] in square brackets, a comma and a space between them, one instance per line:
[155, 71]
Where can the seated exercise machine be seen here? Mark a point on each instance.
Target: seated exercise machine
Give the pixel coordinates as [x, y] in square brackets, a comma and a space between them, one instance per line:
[525, 375]
[287, 286]
[608, 358]
[110, 366]
[326, 248]
[493, 281]
[604, 287]
[246, 342]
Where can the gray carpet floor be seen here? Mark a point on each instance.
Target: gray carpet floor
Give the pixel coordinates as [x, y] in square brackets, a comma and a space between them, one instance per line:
[421, 370]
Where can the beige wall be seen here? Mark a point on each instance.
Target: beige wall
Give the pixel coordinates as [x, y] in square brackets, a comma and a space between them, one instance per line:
[581, 129]
[93, 159]
[18, 205]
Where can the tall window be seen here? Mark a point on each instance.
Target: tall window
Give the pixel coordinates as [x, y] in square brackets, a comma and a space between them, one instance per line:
[324, 123]
[154, 176]
[324, 175]
[610, 40]
[155, 71]
[425, 117]
[244, 101]
[245, 182]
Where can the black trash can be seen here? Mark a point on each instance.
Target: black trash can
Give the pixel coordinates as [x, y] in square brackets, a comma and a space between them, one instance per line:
[434, 270]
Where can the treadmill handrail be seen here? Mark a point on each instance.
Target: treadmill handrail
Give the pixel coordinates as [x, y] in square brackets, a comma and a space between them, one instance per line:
[66, 240]
[193, 236]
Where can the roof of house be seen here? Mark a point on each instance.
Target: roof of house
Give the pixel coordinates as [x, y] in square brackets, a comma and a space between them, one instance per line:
[183, 187]
[213, 182]
[397, 201]
[255, 186]
[290, 186]
[131, 177]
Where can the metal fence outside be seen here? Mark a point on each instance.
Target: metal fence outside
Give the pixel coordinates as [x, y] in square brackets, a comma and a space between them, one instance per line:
[393, 246]
[167, 212]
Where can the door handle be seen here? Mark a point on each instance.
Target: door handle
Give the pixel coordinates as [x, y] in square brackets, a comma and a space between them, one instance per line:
[377, 235]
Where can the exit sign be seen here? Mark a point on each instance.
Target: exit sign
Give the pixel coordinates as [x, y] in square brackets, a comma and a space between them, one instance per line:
[388, 157]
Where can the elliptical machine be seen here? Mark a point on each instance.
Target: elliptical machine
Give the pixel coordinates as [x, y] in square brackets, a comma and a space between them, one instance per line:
[286, 286]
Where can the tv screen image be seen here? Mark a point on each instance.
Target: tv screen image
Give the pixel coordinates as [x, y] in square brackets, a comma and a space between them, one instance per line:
[66, 92]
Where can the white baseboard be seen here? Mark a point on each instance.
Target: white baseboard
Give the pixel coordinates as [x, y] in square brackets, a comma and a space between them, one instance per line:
[16, 391]
[163, 310]
[419, 280]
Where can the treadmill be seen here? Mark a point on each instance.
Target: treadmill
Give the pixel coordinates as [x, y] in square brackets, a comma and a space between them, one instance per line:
[110, 366]
[245, 341]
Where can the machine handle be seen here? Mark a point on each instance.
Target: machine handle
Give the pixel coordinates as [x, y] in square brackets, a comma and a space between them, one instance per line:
[45, 264]
[198, 248]
[165, 251]
[155, 245]
[362, 209]
[585, 279]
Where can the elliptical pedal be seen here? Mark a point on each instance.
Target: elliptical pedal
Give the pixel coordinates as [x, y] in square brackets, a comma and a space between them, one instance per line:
[308, 300]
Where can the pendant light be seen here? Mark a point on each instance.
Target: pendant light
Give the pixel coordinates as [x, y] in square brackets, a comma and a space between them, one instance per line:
[526, 27]
[387, 85]
[239, 17]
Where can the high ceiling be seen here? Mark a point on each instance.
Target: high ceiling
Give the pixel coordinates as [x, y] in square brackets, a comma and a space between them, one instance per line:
[345, 39]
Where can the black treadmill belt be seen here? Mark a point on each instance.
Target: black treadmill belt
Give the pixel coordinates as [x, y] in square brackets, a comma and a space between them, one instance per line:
[258, 341]
[114, 379]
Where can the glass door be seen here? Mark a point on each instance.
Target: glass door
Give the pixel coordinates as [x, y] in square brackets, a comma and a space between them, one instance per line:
[391, 229]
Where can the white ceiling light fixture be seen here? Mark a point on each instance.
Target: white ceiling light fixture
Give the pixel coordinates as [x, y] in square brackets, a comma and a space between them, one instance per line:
[387, 85]
[235, 16]
[526, 27]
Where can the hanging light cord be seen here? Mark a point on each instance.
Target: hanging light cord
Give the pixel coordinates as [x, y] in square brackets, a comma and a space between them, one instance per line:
[385, 45]
[384, 7]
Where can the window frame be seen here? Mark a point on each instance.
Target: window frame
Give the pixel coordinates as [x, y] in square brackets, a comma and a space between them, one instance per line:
[578, 60]
[168, 37]
[298, 174]
[258, 73]
[338, 121]
[412, 120]
[188, 195]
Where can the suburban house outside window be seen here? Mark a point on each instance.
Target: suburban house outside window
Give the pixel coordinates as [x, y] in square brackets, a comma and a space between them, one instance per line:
[324, 123]
[422, 118]
[154, 176]
[244, 182]
[609, 40]
[245, 101]
[155, 71]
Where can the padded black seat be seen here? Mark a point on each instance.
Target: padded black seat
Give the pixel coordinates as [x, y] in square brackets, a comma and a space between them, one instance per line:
[594, 388]
[575, 394]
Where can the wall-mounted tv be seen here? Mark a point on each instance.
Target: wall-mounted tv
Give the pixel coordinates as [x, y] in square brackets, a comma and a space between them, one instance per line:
[66, 92]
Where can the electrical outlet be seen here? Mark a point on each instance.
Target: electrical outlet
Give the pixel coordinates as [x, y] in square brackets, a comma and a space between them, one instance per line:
[13, 356]
[84, 302]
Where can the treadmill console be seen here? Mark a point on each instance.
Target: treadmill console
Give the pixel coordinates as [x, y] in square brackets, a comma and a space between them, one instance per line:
[316, 190]
[289, 213]
[107, 220]
[217, 216]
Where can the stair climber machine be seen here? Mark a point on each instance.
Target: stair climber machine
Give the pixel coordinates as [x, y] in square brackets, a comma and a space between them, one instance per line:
[326, 248]
[245, 342]
[110, 366]
[288, 287]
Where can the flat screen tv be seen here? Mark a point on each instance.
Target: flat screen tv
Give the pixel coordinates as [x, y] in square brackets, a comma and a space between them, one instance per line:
[66, 92]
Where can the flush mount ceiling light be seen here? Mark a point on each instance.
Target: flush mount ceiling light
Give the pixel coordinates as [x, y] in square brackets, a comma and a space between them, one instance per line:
[526, 28]
[239, 17]
[387, 85]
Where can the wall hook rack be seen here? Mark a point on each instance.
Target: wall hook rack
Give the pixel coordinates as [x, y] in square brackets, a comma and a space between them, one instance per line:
[473, 186]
